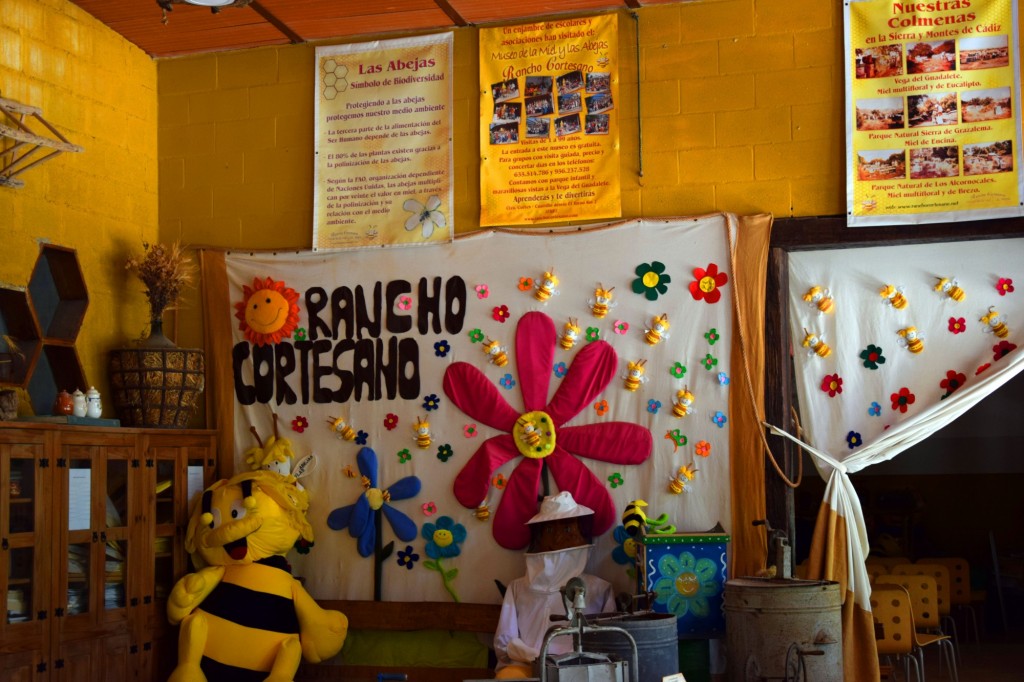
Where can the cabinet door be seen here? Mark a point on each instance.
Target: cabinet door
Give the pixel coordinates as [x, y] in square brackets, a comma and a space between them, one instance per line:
[24, 666]
[178, 466]
[99, 534]
[25, 533]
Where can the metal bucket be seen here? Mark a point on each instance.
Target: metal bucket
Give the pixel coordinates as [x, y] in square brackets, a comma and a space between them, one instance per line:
[656, 643]
[775, 628]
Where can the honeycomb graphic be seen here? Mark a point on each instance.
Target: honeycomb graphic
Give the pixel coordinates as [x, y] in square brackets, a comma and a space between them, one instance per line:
[334, 78]
[39, 325]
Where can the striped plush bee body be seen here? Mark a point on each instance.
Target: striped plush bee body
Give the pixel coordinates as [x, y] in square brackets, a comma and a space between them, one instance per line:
[634, 519]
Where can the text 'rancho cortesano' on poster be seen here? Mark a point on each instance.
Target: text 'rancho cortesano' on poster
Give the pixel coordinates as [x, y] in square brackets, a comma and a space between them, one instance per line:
[549, 134]
[383, 143]
[933, 101]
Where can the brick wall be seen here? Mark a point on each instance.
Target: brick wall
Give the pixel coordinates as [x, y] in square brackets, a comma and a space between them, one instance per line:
[100, 91]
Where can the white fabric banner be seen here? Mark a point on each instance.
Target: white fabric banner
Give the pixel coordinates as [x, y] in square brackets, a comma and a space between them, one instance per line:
[891, 344]
[382, 340]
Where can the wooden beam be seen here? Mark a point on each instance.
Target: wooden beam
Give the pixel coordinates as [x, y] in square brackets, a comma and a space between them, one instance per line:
[452, 13]
[831, 232]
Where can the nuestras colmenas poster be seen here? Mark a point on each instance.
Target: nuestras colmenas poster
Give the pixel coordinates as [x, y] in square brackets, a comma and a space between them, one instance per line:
[549, 134]
[383, 167]
[933, 128]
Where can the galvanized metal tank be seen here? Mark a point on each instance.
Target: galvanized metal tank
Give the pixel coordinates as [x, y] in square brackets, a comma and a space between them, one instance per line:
[775, 626]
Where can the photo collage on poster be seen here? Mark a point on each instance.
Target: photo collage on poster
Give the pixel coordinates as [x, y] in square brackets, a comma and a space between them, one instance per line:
[558, 106]
[940, 108]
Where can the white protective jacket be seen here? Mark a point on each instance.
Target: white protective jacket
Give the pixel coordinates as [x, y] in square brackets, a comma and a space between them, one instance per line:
[533, 598]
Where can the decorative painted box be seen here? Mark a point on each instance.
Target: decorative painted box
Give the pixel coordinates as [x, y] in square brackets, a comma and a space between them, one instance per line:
[686, 572]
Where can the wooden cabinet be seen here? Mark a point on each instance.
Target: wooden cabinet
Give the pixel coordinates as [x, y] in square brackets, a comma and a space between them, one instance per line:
[91, 542]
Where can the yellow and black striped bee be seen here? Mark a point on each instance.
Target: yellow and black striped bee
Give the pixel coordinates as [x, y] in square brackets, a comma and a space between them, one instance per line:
[683, 404]
[950, 287]
[634, 519]
[994, 323]
[912, 339]
[684, 476]
[658, 330]
[422, 431]
[495, 353]
[546, 287]
[602, 301]
[816, 344]
[893, 296]
[570, 334]
[634, 375]
[341, 429]
[820, 298]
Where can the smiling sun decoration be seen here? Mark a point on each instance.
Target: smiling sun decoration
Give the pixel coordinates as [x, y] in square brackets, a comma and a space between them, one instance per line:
[268, 312]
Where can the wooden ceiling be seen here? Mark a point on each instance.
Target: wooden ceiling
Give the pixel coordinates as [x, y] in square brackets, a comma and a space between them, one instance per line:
[190, 29]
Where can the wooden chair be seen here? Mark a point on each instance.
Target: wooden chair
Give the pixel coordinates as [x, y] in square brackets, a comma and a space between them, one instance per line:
[924, 605]
[959, 590]
[894, 626]
[947, 625]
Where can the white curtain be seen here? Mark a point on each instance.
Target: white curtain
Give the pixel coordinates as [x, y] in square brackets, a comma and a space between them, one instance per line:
[872, 397]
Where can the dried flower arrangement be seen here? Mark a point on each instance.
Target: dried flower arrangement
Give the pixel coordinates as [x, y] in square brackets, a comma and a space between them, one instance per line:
[165, 270]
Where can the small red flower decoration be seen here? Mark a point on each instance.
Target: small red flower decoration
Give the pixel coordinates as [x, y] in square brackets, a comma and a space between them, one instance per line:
[501, 313]
[390, 421]
[1004, 286]
[1000, 350]
[953, 381]
[299, 424]
[957, 325]
[707, 283]
[499, 481]
[832, 384]
[982, 368]
[601, 408]
[525, 284]
[902, 400]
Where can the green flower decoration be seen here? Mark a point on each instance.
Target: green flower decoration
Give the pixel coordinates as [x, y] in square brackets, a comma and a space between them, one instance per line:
[300, 335]
[444, 452]
[678, 370]
[712, 336]
[404, 455]
[593, 334]
[651, 280]
[615, 480]
[709, 361]
[872, 356]
[476, 336]
[686, 584]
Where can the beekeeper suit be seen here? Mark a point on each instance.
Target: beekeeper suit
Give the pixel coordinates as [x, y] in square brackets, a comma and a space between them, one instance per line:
[558, 551]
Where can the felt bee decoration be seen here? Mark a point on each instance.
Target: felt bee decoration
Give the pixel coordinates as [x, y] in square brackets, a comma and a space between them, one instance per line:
[570, 334]
[421, 429]
[634, 375]
[893, 296]
[495, 353]
[821, 299]
[341, 429]
[994, 323]
[547, 286]
[951, 288]
[602, 301]
[683, 404]
[658, 330]
[912, 339]
[683, 478]
[816, 344]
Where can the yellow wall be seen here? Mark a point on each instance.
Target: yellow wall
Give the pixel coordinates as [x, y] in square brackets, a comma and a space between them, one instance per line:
[99, 91]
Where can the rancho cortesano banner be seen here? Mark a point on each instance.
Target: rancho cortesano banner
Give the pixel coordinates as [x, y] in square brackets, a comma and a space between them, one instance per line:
[933, 101]
[383, 169]
[549, 133]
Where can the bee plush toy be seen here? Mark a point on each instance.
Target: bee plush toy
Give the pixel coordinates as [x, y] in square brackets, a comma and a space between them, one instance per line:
[244, 616]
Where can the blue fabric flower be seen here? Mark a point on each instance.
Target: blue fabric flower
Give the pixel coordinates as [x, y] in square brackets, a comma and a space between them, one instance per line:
[560, 369]
[361, 437]
[443, 538]
[359, 517]
[507, 382]
[875, 409]
[441, 348]
[719, 419]
[625, 552]
[653, 406]
[431, 402]
[407, 557]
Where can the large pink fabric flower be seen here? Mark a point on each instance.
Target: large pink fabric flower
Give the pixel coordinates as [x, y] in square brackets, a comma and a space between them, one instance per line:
[555, 445]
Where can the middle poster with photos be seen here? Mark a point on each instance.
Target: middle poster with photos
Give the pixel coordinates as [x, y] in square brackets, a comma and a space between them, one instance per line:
[549, 134]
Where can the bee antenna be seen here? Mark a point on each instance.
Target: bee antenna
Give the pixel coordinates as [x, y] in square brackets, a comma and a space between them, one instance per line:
[274, 415]
[252, 430]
